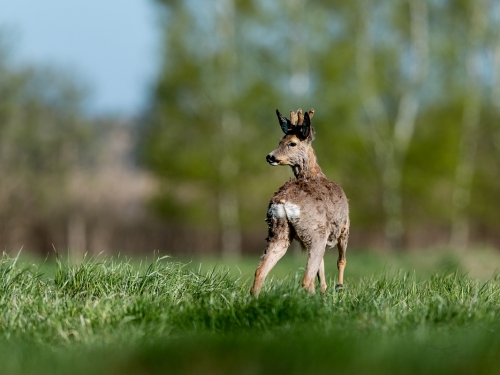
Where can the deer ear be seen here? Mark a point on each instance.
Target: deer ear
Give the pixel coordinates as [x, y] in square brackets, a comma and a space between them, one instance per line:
[305, 129]
[284, 122]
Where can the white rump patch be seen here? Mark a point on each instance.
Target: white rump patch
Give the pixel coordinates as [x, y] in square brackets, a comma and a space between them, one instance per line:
[292, 211]
[277, 210]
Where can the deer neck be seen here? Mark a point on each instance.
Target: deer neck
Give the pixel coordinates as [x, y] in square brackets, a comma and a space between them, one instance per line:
[308, 167]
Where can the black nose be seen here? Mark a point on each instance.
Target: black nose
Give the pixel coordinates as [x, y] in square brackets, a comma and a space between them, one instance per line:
[271, 159]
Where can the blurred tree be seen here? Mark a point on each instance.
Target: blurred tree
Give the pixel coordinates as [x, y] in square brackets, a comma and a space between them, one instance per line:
[42, 135]
[391, 133]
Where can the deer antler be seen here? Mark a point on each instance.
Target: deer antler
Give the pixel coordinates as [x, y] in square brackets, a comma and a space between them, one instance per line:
[300, 115]
[297, 119]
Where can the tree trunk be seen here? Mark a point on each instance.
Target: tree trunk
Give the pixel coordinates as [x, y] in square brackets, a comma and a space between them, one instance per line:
[228, 198]
[470, 130]
[229, 164]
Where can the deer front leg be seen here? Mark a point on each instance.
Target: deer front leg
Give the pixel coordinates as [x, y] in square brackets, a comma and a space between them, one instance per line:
[321, 276]
[280, 236]
[316, 253]
[273, 253]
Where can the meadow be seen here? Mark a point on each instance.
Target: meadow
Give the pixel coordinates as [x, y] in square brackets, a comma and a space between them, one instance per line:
[418, 312]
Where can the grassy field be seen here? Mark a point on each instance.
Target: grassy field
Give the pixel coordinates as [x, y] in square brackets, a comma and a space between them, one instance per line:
[422, 312]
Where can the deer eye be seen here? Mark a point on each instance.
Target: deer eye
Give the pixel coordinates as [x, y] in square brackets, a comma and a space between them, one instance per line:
[292, 144]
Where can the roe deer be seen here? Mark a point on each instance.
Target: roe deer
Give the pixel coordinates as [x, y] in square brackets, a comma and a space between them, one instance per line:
[309, 208]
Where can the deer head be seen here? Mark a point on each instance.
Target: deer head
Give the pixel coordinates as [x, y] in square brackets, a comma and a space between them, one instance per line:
[294, 148]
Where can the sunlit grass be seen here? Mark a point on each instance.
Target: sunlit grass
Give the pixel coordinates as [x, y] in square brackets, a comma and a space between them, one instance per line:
[114, 316]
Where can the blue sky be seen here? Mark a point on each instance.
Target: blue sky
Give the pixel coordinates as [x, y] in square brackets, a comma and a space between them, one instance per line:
[111, 45]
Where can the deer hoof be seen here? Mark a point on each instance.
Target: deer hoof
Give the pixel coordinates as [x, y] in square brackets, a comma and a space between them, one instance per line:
[339, 287]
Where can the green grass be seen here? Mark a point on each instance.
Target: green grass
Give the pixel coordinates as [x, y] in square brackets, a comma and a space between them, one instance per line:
[396, 314]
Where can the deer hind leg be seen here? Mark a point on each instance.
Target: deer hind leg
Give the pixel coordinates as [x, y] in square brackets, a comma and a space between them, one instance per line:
[341, 262]
[314, 265]
[280, 236]
[321, 276]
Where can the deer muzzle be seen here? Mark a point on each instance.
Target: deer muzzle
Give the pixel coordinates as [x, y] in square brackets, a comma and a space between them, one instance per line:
[271, 159]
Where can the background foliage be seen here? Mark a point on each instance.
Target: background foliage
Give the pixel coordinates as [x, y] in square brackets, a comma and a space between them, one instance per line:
[407, 100]
[407, 112]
